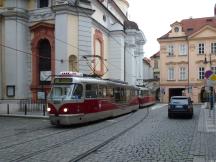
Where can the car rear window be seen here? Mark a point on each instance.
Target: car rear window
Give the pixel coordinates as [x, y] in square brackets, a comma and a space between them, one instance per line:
[181, 101]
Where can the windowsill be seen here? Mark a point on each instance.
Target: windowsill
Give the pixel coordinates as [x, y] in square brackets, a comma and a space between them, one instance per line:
[183, 80]
[171, 56]
[182, 55]
[171, 80]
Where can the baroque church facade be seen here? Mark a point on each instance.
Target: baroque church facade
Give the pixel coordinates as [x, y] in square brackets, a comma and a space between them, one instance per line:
[41, 38]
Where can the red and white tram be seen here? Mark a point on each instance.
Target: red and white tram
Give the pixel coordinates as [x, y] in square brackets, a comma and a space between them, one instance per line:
[78, 99]
[146, 97]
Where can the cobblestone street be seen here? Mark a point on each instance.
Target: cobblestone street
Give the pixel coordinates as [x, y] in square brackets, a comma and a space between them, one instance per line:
[150, 139]
[156, 139]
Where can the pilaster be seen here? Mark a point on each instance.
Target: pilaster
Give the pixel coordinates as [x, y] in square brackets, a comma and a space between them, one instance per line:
[116, 58]
[15, 46]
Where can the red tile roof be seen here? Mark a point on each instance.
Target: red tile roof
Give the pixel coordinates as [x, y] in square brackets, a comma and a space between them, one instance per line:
[148, 61]
[156, 55]
[190, 26]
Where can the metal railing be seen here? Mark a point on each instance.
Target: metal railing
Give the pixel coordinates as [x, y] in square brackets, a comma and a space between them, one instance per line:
[23, 107]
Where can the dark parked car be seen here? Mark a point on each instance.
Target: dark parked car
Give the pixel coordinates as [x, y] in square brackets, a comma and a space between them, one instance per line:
[180, 105]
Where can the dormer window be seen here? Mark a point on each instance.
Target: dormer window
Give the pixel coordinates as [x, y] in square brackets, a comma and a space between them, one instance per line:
[43, 3]
[176, 29]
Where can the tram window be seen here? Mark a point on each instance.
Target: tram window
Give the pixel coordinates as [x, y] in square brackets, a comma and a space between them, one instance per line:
[137, 92]
[128, 94]
[91, 91]
[146, 93]
[132, 93]
[140, 93]
[60, 92]
[77, 91]
[120, 94]
[56, 91]
[109, 92]
[117, 94]
[123, 95]
[102, 91]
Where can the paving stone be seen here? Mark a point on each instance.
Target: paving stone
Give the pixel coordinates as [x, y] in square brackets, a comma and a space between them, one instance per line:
[157, 138]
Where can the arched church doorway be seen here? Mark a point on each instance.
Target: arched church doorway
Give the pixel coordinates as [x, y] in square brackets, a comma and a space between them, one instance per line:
[44, 65]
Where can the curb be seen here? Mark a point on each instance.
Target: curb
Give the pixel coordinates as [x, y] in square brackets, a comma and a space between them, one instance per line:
[25, 116]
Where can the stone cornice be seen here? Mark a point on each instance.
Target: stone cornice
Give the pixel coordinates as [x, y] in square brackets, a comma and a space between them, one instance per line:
[176, 63]
[172, 39]
[98, 25]
[130, 45]
[202, 61]
[118, 32]
[41, 14]
[74, 10]
[182, 62]
[195, 85]
[14, 14]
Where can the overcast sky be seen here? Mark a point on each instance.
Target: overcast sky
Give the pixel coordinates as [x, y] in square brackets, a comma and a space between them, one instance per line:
[155, 16]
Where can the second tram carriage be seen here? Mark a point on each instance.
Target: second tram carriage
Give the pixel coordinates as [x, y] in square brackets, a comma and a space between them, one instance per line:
[76, 99]
[146, 97]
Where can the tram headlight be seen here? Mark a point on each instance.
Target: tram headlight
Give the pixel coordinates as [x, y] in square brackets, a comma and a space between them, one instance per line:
[48, 109]
[65, 109]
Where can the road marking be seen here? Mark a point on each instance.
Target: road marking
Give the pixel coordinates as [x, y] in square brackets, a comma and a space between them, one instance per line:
[158, 106]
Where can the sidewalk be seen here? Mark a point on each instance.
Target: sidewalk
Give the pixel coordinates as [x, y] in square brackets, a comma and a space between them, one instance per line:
[36, 115]
[204, 141]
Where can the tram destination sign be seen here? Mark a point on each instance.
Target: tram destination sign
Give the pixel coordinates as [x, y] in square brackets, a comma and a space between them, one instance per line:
[63, 80]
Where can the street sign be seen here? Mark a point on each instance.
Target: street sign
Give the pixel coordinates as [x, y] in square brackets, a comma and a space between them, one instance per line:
[208, 73]
[212, 77]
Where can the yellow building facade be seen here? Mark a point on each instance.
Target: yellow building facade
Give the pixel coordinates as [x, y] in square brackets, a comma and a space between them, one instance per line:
[187, 51]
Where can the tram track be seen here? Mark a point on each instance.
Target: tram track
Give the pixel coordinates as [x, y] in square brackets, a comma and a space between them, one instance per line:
[22, 131]
[97, 147]
[56, 133]
[56, 145]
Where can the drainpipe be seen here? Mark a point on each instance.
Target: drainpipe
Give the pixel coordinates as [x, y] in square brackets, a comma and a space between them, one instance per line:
[125, 62]
[188, 51]
[2, 66]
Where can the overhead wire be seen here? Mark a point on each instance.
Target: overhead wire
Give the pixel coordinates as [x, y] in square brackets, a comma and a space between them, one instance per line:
[71, 46]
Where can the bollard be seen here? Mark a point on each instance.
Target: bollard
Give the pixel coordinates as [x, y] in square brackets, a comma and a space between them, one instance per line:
[43, 109]
[8, 112]
[25, 109]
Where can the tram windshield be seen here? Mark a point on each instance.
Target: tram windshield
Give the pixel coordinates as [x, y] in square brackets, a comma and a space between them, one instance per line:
[66, 92]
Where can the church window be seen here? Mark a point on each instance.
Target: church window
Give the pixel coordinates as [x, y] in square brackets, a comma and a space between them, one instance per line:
[43, 3]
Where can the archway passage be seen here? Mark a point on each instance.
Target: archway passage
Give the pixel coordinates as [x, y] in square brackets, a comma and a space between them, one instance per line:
[175, 92]
[157, 94]
[203, 95]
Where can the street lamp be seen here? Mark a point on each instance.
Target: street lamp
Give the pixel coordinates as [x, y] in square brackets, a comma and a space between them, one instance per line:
[206, 62]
